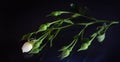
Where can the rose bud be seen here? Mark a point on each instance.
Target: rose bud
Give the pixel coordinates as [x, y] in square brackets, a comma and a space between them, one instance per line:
[27, 46]
[84, 46]
[65, 54]
[44, 27]
[101, 37]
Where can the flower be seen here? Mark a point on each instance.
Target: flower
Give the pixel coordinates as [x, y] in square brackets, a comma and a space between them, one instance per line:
[27, 46]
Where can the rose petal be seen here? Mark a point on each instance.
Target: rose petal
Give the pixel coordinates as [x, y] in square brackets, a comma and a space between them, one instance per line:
[27, 46]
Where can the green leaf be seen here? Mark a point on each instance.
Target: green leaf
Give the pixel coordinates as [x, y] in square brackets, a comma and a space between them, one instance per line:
[57, 13]
[76, 15]
[68, 21]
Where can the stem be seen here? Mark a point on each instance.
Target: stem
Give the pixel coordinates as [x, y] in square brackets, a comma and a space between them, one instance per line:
[55, 21]
[93, 37]
[43, 36]
[91, 18]
[114, 22]
[82, 30]
[90, 23]
[56, 33]
[71, 43]
[63, 27]
[74, 43]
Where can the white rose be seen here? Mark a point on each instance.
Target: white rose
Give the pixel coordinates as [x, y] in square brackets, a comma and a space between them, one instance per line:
[27, 46]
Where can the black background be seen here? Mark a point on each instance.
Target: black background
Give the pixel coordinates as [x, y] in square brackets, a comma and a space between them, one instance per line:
[20, 17]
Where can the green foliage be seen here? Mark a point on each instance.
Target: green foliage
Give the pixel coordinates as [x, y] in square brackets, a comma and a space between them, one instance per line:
[68, 21]
[76, 15]
[58, 13]
[50, 31]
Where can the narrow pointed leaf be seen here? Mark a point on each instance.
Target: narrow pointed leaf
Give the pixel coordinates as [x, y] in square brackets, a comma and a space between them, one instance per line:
[76, 15]
[68, 21]
[57, 13]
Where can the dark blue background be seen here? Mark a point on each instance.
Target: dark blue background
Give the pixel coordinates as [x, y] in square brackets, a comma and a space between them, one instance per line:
[21, 17]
